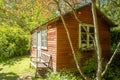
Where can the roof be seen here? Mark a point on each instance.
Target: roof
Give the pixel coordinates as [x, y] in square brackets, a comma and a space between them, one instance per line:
[109, 22]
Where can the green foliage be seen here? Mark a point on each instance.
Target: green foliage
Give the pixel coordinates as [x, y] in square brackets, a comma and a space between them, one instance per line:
[113, 72]
[15, 68]
[13, 42]
[25, 14]
[115, 38]
[111, 8]
[90, 67]
[63, 75]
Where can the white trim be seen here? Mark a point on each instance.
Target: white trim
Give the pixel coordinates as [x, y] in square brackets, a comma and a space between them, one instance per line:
[42, 47]
[39, 43]
[34, 46]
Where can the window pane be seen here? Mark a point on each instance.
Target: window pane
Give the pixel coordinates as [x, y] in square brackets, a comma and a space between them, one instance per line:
[84, 36]
[91, 29]
[44, 37]
[34, 37]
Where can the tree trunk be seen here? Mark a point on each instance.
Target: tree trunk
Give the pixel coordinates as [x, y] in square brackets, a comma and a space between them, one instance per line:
[97, 41]
[71, 45]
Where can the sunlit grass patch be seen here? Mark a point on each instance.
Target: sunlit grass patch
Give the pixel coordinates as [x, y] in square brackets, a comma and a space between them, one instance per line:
[15, 68]
[19, 68]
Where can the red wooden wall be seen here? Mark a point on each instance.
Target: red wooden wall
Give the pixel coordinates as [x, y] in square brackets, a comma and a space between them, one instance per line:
[64, 53]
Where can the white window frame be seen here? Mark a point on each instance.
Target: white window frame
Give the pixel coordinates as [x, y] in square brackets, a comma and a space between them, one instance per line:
[85, 44]
[44, 40]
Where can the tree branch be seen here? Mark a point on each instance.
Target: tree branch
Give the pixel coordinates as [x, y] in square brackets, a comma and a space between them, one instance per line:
[106, 68]
[71, 45]
[97, 40]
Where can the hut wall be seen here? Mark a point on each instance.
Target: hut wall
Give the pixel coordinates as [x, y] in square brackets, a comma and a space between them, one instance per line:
[64, 53]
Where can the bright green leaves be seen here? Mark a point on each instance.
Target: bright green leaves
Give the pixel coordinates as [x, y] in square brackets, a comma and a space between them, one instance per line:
[13, 42]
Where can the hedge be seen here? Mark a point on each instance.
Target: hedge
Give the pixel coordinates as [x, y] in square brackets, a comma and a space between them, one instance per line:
[13, 42]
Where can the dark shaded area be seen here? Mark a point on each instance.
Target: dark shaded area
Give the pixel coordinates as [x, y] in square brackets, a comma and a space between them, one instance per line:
[8, 76]
[43, 73]
[1, 69]
[113, 72]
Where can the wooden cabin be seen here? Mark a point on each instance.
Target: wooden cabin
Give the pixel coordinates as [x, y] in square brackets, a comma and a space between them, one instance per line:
[51, 38]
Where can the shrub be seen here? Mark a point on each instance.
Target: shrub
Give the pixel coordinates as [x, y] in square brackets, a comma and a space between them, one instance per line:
[90, 67]
[115, 38]
[13, 42]
[113, 72]
[63, 75]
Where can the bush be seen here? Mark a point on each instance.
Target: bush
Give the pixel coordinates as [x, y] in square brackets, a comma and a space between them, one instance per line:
[113, 72]
[13, 42]
[115, 38]
[90, 67]
[63, 75]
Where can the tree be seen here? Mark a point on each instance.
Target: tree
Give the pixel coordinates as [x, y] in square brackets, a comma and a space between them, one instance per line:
[25, 13]
[97, 41]
[111, 9]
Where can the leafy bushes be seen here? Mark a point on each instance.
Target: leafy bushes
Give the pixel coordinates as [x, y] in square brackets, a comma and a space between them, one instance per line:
[13, 42]
[113, 72]
[115, 38]
[90, 67]
[63, 75]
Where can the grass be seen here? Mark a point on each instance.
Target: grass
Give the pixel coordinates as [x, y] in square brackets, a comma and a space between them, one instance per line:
[16, 68]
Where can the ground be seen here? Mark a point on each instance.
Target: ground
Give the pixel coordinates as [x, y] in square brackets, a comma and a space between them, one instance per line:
[17, 68]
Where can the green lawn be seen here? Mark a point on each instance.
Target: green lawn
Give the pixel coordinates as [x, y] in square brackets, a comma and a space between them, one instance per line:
[16, 68]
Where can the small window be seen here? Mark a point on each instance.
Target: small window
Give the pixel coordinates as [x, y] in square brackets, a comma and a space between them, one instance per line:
[34, 39]
[86, 42]
[44, 38]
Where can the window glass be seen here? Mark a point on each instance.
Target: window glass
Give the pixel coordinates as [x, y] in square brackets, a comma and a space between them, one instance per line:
[44, 38]
[34, 39]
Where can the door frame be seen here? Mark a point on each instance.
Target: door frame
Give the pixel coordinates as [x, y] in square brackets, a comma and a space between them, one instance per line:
[39, 44]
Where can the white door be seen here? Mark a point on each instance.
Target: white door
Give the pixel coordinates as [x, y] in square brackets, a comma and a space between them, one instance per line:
[39, 44]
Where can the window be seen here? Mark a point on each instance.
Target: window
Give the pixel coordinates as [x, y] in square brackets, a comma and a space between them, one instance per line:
[34, 39]
[44, 38]
[86, 42]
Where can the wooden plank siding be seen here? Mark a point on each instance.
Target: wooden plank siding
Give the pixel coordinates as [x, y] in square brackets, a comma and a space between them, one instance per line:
[104, 33]
[52, 48]
[64, 53]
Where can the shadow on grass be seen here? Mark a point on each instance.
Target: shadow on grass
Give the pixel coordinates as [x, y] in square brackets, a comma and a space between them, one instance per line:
[12, 61]
[8, 76]
[1, 69]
